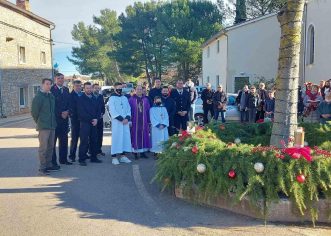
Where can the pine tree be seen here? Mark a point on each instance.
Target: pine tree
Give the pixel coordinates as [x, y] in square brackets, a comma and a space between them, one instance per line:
[241, 14]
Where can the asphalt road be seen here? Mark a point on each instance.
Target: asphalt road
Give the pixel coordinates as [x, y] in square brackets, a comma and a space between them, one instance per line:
[102, 199]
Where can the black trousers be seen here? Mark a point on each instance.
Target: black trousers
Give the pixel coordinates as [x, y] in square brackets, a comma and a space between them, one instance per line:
[88, 139]
[206, 110]
[100, 135]
[171, 128]
[61, 134]
[75, 127]
[259, 115]
[181, 122]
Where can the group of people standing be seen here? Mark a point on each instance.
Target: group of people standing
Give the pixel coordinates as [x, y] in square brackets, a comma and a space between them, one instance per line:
[256, 105]
[213, 102]
[141, 122]
[315, 102]
[55, 110]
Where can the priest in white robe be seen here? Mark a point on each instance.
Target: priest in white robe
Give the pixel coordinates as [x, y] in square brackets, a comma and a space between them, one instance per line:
[120, 113]
[160, 122]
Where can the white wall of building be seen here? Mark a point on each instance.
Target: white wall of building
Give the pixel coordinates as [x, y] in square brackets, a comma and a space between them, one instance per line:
[214, 62]
[253, 51]
[318, 15]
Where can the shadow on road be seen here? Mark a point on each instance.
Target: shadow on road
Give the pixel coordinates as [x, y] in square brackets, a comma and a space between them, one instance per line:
[104, 191]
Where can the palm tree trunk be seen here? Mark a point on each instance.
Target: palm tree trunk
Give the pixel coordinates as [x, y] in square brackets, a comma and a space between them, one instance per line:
[285, 123]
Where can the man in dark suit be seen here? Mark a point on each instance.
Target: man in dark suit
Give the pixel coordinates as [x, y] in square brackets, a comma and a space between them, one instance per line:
[75, 124]
[207, 102]
[170, 105]
[62, 96]
[156, 91]
[101, 103]
[88, 114]
[183, 104]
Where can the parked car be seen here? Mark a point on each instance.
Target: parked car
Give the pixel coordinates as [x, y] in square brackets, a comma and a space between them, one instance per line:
[106, 90]
[127, 87]
[231, 114]
[200, 89]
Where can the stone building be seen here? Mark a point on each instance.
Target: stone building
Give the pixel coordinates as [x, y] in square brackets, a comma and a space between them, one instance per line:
[25, 56]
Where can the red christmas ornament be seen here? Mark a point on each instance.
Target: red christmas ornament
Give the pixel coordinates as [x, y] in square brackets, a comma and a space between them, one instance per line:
[195, 150]
[230, 145]
[199, 128]
[301, 178]
[232, 174]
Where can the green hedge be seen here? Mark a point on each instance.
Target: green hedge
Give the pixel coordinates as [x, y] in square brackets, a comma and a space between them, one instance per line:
[259, 134]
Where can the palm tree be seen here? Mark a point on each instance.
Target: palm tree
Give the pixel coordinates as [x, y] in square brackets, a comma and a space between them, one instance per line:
[285, 123]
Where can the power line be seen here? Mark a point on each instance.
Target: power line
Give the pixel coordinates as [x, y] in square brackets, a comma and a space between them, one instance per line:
[26, 31]
[75, 44]
[36, 35]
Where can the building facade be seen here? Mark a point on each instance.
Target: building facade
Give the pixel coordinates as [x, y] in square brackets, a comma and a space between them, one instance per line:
[25, 56]
[248, 52]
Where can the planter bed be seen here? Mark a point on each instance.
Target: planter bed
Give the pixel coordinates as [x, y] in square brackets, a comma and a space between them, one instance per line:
[278, 212]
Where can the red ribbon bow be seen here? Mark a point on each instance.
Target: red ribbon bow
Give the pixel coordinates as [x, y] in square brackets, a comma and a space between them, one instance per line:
[297, 153]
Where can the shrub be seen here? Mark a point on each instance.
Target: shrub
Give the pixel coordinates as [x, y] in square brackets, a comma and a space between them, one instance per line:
[259, 134]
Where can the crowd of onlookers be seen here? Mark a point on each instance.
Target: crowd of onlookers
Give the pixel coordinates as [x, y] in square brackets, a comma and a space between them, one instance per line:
[258, 105]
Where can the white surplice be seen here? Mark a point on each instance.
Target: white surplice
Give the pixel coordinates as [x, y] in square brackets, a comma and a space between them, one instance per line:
[159, 116]
[121, 139]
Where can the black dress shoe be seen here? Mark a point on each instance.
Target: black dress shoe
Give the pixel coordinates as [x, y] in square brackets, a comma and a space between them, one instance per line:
[96, 160]
[43, 172]
[56, 167]
[72, 159]
[136, 157]
[53, 168]
[66, 163]
[82, 163]
[143, 155]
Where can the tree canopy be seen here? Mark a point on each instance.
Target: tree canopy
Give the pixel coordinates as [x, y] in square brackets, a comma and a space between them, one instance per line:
[148, 38]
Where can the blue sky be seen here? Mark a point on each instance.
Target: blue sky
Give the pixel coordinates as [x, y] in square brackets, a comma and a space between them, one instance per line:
[66, 13]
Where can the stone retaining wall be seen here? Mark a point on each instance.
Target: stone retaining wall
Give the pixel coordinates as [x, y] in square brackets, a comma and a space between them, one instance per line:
[279, 212]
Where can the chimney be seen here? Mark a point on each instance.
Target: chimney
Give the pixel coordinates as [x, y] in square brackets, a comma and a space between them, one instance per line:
[24, 4]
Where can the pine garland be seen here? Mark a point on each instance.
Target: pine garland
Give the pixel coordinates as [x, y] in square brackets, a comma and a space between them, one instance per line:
[178, 164]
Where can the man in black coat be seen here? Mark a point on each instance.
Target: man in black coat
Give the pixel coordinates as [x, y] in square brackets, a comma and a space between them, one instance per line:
[75, 124]
[183, 105]
[62, 98]
[156, 91]
[89, 114]
[102, 108]
[207, 102]
[242, 103]
[170, 105]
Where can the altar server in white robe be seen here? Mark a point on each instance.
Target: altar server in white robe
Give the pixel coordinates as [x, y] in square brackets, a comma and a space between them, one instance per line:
[120, 111]
[160, 122]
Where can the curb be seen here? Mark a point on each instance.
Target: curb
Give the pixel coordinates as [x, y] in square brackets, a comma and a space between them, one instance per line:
[14, 121]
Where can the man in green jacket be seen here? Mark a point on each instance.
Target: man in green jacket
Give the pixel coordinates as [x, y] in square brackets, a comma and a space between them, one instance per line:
[42, 110]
